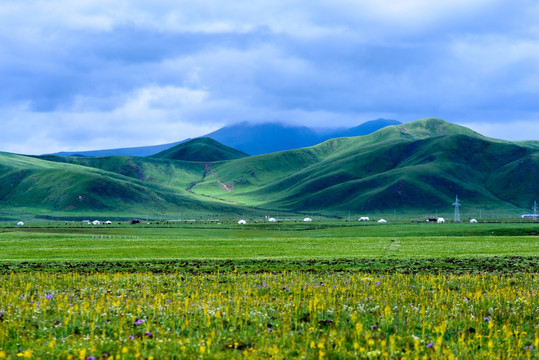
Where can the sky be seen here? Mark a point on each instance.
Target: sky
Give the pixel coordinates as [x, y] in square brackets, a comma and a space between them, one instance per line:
[87, 75]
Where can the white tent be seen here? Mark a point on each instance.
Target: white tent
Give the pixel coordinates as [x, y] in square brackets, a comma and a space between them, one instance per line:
[440, 220]
[382, 221]
[20, 223]
[473, 221]
[96, 222]
[242, 222]
[364, 218]
[272, 220]
[108, 222]
[307, 219]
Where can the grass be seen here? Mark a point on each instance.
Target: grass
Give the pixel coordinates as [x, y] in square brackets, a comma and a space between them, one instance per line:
[202, 150]
[285, 315]
[281, 241]
[323, 290]
[417, 166]
[413, 168]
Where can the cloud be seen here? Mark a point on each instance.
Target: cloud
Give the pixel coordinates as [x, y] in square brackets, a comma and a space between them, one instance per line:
[89, 74]
[149, 116]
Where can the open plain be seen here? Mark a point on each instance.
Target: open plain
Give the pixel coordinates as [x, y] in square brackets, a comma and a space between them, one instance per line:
[334, 289]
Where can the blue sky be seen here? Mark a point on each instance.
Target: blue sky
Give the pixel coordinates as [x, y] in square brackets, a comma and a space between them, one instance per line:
[81, 75]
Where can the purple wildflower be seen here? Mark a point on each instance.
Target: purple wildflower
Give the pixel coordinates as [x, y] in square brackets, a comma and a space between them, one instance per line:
[90, 358]
[529, 347]
[270, 329]
[131, 337]
[138, 322]
[429, 345]
[48, 296]
[149, 334]
[487, 319]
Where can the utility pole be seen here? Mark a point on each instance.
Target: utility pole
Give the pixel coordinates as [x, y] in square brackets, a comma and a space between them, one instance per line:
[457, 213]
[535, 210]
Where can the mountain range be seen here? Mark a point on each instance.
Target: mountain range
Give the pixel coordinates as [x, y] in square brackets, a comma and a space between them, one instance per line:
[413, 168]
[253, 139]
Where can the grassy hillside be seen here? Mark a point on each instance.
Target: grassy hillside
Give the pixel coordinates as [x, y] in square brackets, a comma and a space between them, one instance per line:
[150, 171]
[421, 165]
[113, 185]
[201, 150]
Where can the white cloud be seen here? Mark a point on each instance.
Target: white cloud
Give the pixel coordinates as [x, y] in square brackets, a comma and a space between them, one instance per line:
[149, 116]
[491, 54]
[93, 73]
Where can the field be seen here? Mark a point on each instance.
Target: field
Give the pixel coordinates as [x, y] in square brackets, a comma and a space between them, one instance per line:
[333, 290]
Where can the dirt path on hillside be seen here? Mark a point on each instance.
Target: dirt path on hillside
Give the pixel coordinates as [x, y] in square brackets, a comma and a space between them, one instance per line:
[225, 186]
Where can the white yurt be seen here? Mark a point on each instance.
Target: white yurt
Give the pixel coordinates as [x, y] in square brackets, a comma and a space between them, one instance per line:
[272, 220]
[440, 220]
[96, 222]
[307, 219]
[473, 221]
[382, 221]
[108, 222]
[242, 222]
[20, 223]
[364, 218]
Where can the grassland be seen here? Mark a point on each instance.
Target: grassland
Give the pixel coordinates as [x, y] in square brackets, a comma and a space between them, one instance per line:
[283, 315]
[321, 290]
[346, 245]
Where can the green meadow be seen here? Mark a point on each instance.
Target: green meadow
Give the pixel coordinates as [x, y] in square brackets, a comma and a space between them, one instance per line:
[320, 290]
[346, 245]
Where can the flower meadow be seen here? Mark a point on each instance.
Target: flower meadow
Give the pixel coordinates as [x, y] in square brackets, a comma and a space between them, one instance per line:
[291, 314]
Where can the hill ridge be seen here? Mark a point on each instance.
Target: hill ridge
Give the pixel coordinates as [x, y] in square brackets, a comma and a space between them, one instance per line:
[412, 167]
[268, 137]
[203, 149]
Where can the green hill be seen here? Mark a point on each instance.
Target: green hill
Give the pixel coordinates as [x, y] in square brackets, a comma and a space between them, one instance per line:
[200, 150]
[123, 186]
[414, 167]
[419, 165]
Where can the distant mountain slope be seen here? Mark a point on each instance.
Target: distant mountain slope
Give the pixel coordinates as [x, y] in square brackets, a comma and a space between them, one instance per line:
[253, 139]
[201, 150]
[256, 139]
[132, 151]
[364, 129]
